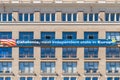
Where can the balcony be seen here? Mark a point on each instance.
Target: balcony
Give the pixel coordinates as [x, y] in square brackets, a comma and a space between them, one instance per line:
[6, 72]
[71, 73]
[27, 71]
[48, 72]
[70, 57]
[113, 72]
[92, 73]
[59, 1]
[26, 57]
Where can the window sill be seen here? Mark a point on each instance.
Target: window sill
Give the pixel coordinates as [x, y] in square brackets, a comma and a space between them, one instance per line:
[31, 74]
[48, 58]
[92, 58]
[7, 74]
[49, 74]
[70, 58]
[6, 59]
[113, 58]
[93, 74]
[71, 74]
[26, 58]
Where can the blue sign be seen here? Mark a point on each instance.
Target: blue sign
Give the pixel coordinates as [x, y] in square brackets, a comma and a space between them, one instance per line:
[60, 42]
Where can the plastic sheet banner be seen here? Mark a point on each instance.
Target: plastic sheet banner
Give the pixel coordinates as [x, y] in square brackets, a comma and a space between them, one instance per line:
[56, 42]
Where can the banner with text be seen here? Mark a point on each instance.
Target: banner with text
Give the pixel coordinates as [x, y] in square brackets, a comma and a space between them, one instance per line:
[56, 42]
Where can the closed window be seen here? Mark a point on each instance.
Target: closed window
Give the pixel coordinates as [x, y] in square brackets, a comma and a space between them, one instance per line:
[90, 16]
[26, 67]
[26, 78]
[26, 17]
[5, 52]
[47, 17]
[69, 67]
[26, 52]
[4, 17]
[48, 67]
[90, 52]
[91, 67]
[112, 52]
[69, 52]
[26, 35]
[113, 35]
[113, 67]
[5, 35]
[48, 78]
[48, 52]
[112, 17]
[5, 67]
[70, 17]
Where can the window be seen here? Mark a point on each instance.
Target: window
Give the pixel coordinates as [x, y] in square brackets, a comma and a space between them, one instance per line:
[47, 35]
[112, 17]
[113, 35]
[69, 78]
[69, 52]
[26, 35]
[91, 67]
[69, 67]
[5, 67]
[48, 67]
[48, 78]
[4, 17]
[27, 17]
[90, 16]
[26, 67]
[113, 67]
[113, 78]
[5, 35]
[69, 17]
[26, 78]
[69, 35]
[91, 78]
[5, 78]
[48, 52]
[47, 17]
[112, 52]
[5, 52]
[26, 52]
[91, 35]
[91, 53]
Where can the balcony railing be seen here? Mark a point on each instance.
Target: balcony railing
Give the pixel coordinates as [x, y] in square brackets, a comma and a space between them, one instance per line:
[59, 1]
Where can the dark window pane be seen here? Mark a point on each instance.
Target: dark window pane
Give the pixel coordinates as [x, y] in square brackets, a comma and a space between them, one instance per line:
[31, 17]
[112, 16]
[74, 17]
[42, 17]
[63, 17]
[20, 17]
[10, 17]
[53, 16]
[26, 17]
[85, 17]
[47, 17]
[90, 17]
[96, 17]
[4, 17]
[69, 17]
[107, 17]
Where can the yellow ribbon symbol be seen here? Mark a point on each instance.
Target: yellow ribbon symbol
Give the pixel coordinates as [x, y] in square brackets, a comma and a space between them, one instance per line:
[113, 40]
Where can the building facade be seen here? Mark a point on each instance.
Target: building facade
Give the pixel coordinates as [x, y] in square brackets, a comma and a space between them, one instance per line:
[62, 20]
